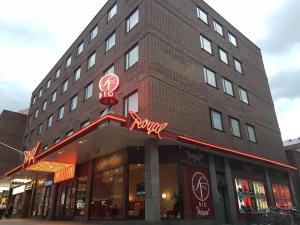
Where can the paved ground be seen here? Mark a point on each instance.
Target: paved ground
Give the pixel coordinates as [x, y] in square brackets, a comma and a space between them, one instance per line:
[36, 222]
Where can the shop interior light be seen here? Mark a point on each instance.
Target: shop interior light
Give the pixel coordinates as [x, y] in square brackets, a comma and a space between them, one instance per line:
[21, 181]
[164, 195]
[82, 141]
[45, 166]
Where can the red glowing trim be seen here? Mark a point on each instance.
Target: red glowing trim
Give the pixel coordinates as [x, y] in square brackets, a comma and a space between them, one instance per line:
[29, 156]
[147, 125]
[108, 86]
[234, 152]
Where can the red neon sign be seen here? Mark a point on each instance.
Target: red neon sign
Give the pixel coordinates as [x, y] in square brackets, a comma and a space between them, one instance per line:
[108, 86]
[147, 125]
[29, 156]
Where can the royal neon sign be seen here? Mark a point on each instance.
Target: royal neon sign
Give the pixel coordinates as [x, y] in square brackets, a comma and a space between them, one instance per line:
[108, 85]
[29, 156]
[147, 125]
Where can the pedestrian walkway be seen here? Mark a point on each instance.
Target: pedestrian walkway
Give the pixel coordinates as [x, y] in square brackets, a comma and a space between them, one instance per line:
[36, 222]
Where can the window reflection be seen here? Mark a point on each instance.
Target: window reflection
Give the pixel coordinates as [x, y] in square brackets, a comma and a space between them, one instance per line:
[80, 198]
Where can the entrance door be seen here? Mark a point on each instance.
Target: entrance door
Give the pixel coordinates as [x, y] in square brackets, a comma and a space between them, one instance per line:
[65, 201]
[223, 196]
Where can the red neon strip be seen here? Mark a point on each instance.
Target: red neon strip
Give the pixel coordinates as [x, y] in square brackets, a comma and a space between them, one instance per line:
[234, 152]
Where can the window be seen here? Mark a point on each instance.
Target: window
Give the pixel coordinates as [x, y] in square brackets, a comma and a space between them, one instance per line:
[216, 120]
[50, 120]
[210, 77]
[33, 100]
[235, 127]
[282, 196]
[40, 129]
[110, 69]
[77, 74]
[94, 33]
[223, 56]
[131, 103]
[85, 124]
[73, 103]
[53, 97]
[206, 44]
[45, 105]
[61, 112]
[228, 87]
[69, 133]
[36, 113]
[45, 147]
[80, 48]
[251, 133]
[65, 86]
[232, 39]
[243, 95]
[40, 93]
[88, 91]
[251, 196]
[132, 57]
[202, 15]
[238, 66]
[218, 28]
[68, 61]
[29, 119]
[48, 83]
[91, 60]
[110, 42]
[56, 140]
[57, 74]
[133, 20]
[112, 12]
[81, 196]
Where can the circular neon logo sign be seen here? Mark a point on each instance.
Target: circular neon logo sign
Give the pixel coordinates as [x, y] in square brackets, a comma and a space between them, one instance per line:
[108, 86]
[200, 186]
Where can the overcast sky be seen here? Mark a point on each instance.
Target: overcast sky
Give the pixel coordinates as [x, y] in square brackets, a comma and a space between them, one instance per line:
[33, 37]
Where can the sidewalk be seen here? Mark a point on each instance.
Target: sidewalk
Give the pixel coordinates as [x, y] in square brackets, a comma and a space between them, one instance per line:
[36, 222]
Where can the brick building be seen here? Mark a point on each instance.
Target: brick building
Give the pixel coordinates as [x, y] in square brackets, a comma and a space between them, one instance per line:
[220, 157]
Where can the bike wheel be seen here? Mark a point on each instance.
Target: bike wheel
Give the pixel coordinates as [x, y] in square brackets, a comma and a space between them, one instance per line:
[286, 219]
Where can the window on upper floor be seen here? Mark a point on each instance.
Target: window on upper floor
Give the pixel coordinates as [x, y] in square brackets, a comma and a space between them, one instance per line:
[131, 103]
[238, 66]
[77, 74]
[53, 97]
[61, 112]
[132, 20]
[73, 103]
[79, 48]
[223, 56]
[132, 57]
[251, 133]
[202, 15]
[49, 83]
[210, 77]
[227, 86]
[49, 121]
[85, 124]
[206, 44]
[56, 140]
[29, 119]
[94, 33]
[110, 42]
[40, 92]
[218, 28]
[57, 74]
[68, 61]
[235, 127]
[243, 95]
[45, 147]
[44, 105]
[232, 39]
[69, 133]
[216, 119]
[65, 86]
[88, 91]
[112, 12]
[40, 129]
[91, 60]
[110, 69]
[36, 113]
[33, 100]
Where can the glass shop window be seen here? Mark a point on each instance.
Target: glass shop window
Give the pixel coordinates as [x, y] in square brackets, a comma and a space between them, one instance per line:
[80, 197]
[282, 196]
[38, 202]
[251, 196]
[136, 209]
[107, 196]
[170, 201]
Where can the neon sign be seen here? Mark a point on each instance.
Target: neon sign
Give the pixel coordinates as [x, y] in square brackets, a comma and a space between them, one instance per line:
[147, 125]
[108, 85]
[29, 156]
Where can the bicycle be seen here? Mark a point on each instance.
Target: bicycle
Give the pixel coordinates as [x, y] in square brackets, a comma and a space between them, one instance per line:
[276, 216]
[296, 216]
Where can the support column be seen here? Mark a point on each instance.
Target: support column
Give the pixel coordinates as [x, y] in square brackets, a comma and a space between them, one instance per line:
[88, 193]
[214, 189]
[52, 202]
[269, 187]
[292, 187]
[152, 188]
[231, 196]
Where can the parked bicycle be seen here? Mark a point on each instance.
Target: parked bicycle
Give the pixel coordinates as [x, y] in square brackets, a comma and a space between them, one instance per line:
[278, 216]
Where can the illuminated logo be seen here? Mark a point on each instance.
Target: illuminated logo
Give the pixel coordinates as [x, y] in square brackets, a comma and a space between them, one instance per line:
[147, 125]
[108, 86]
[200, 186]
[29, 156]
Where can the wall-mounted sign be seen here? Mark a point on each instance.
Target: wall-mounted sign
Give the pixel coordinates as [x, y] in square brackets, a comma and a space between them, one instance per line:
[29, 156]
[48, 183]
[150, 127]
[108, 85]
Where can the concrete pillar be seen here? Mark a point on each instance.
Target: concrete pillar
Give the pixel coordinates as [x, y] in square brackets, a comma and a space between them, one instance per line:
[152, 188]
[293, 192]
[231, 197]
[269, 187]
[214, 189]
[88, 194]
